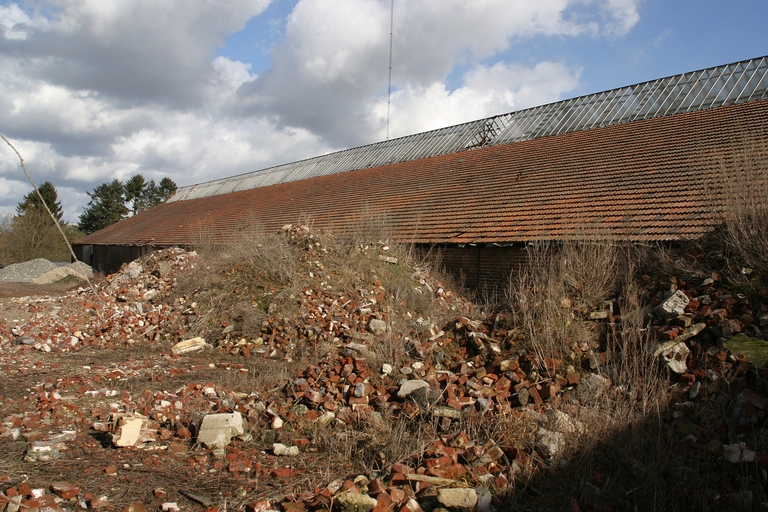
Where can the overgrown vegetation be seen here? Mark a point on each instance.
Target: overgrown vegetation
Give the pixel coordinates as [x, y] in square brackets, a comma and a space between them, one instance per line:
[740, 196]
[561, 285]
[32, 234]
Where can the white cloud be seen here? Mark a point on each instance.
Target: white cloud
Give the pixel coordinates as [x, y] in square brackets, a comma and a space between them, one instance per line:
[624, 14]
[16, 24]
[487, 91]
[330, 74]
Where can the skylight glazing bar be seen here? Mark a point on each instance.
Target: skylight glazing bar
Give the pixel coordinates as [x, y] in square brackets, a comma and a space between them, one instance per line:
[651, 103]
[713, 84]
[626, 107]
[614, 101]
[695, 89]
[644, 96]
[590, 110]
[675, 96]
[752, 79]
[719, 99]
[578, 114]
[524, 123]
[706, 84]
[534, 124]
[660, 94]
[760, 88]
[555, 117]
[575, 115]
[733, 92]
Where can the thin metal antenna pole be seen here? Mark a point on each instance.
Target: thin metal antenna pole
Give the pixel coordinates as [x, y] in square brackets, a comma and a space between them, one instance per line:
[389, 83]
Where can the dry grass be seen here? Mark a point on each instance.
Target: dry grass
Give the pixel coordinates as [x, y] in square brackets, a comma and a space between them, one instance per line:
[740, 198]
[561, 284]
[621, 459]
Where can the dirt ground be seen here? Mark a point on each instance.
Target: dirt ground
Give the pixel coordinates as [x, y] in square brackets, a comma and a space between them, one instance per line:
[33, 290]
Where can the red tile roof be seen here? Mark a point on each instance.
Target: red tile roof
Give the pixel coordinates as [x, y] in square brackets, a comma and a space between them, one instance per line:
[642, 181]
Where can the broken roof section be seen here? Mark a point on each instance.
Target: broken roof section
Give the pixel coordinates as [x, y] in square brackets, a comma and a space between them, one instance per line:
[730, 84]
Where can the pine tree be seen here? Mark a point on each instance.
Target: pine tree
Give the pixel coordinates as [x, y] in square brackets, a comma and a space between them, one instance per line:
[31, 203]
[142, 195]
[134, 192]
[105, 208]
[167, 188]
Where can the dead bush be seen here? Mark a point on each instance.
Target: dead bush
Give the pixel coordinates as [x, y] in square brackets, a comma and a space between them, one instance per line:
[238, 282]
[34, 235]
[739, 195]
[561, 283]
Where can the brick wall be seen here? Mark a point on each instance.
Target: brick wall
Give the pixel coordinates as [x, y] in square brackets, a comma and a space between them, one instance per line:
[485, 268]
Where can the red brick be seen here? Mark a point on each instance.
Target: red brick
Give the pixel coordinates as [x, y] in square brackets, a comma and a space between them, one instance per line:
[65, 490]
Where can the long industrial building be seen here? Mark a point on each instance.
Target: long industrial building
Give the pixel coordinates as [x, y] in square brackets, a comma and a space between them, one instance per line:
[642, 163]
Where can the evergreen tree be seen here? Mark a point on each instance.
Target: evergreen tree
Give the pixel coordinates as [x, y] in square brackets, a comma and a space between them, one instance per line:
[31, 203]
[134, 192]
[167, 188]
[105, 208]
[142, 195]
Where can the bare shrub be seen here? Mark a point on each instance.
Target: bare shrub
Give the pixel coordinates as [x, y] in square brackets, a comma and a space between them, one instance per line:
[34, 235]
[623, 433]
[739, 195]
[636, 369]
[372, 443]
[560, 284]
[238, 281]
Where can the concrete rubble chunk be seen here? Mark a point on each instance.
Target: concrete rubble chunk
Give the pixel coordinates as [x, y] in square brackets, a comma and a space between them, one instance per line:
[42, 451]
[351, 502]
[432, 480]
[674, 353]
[409, 386]
[591, 388]
[190, 345]
[738, 452]
[13, 504]
[484, 498]
[133, 429]
[457, 498]
[673, 305]
[217, 430]
[549, 443]
[377, 326]
[150, 295]
[691, 331]
[282, 450]
[446, 412]
[326, 418]
[560, 421]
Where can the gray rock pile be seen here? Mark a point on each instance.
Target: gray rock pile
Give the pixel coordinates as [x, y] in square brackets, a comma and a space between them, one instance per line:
[42, 271]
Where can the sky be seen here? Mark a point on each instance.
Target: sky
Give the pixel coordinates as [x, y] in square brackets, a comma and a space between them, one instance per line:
[196, 90]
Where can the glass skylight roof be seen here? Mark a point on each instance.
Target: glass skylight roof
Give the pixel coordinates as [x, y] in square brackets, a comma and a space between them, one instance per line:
[698, 90]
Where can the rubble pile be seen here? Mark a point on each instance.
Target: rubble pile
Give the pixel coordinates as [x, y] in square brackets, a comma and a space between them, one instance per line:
[486, 414]
[125, 310]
